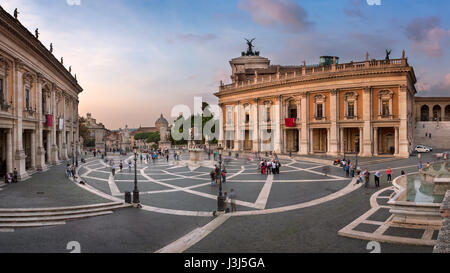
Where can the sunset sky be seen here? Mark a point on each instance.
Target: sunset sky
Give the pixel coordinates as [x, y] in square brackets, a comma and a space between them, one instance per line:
[137, 59]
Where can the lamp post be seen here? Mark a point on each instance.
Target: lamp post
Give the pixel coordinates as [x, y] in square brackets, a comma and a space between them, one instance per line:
[220, 197]
[73, 153]
[76, 156]
[357, 152]
[135, 191]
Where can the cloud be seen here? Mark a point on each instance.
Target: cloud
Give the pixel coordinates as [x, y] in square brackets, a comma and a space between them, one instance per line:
[427, 36]
[73, 2]
[276, 13]
[193, 38]
[440, 89]
[355, 9]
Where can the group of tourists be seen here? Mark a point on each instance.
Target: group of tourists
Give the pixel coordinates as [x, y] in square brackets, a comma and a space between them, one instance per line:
[269, 166]
[12, 177]
[364, 177]
[218, 175]
[70, 170]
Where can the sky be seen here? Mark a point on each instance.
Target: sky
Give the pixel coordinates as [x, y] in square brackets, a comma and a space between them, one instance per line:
[137, 59]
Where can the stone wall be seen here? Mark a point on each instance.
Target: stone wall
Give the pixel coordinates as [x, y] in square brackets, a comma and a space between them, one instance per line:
[439, 134]
[443, 240]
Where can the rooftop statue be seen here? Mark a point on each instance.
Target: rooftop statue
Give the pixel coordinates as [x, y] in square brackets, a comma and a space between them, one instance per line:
[16, 13]
[51, 47]
[388, 52]
[250, 51]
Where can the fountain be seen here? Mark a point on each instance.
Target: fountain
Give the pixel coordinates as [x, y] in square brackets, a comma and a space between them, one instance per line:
[196, 155]
[418, 196]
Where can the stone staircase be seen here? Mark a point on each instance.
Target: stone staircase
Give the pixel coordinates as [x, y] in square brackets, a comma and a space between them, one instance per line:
[440, 134]
[38, 217]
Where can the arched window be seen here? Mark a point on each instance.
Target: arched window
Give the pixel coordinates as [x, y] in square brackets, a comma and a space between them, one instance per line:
[447, 113]
[424, 113]
[437, 113]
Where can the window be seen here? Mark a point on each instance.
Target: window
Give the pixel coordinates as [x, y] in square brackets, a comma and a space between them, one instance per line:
[27, 99]
[247, 117]
[385, 103]
[2, 95]
[43, 102]
[319, 110]
[268, 113]
[351, 109]
[385, 108]
[319, 106]
[292, 109]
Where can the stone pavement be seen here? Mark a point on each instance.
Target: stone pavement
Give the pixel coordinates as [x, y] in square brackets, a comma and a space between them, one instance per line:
[46, 189]
[300, 210]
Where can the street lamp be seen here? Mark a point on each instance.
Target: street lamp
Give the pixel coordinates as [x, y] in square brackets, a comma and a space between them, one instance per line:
[135, 191]
[357, 152]
[76, 157]
[220, 197]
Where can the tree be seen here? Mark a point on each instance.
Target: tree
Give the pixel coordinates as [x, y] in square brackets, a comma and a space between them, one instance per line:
[83, 130]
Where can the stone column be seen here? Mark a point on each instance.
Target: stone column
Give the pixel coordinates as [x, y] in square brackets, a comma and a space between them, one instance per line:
[9, 151]
[255, 130]
[366, 140]
[396, 142]
[276, 123]
[311, 141]
[221, 127]
[33, 150]
[361, 147]
[333, 131]
[40, 152]
[54, 147]
[237, 130]
[20, 155]
[64, 135]
[341, 140]
[375, 141]
[304, 149]
[404, 145]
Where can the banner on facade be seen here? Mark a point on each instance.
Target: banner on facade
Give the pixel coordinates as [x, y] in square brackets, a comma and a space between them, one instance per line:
[49, 120]
[290, 122]
[61, 124]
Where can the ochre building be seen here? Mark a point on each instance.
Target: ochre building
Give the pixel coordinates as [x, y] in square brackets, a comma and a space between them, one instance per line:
[331, 108]
[38, 103]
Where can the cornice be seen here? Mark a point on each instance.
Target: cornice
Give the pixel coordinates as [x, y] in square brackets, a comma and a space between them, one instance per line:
[17, 30]
[315, 78]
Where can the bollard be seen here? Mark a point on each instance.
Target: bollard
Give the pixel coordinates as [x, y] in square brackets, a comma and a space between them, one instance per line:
[128, 197]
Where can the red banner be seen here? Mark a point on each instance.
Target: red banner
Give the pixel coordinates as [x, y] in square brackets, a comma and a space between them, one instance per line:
[290, 122]
[49, 120]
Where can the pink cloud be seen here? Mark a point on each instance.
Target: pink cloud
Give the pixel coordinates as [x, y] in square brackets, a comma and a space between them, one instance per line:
[272, 13]
[427, 36]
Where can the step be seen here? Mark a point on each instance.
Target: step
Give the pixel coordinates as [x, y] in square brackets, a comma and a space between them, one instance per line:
[52, 218]
[7, 210]
[28, 225]
[59, 213]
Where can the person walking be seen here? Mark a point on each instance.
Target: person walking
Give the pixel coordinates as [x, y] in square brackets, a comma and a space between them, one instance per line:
[15, 176]
[212, 174]
[224, 174]
[367, 176]
[352, 170]
[419, 166]
[377, 179]
[113, 169]
[232, 197]
[121, 165]
[389, 174]
[167, 156]
[347, 170]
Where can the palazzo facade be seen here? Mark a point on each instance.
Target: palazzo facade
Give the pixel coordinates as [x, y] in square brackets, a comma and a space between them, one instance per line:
[330, 108]
[38, 103]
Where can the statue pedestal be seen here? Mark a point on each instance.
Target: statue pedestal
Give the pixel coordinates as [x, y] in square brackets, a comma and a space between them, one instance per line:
[196, 160]
[195, 155]
[165, 144]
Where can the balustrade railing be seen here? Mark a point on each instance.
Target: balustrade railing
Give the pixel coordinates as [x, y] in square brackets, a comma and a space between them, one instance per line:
[303, 71]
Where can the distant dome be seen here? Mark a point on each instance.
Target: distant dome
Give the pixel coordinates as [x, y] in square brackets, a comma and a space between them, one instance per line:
[161, 122]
